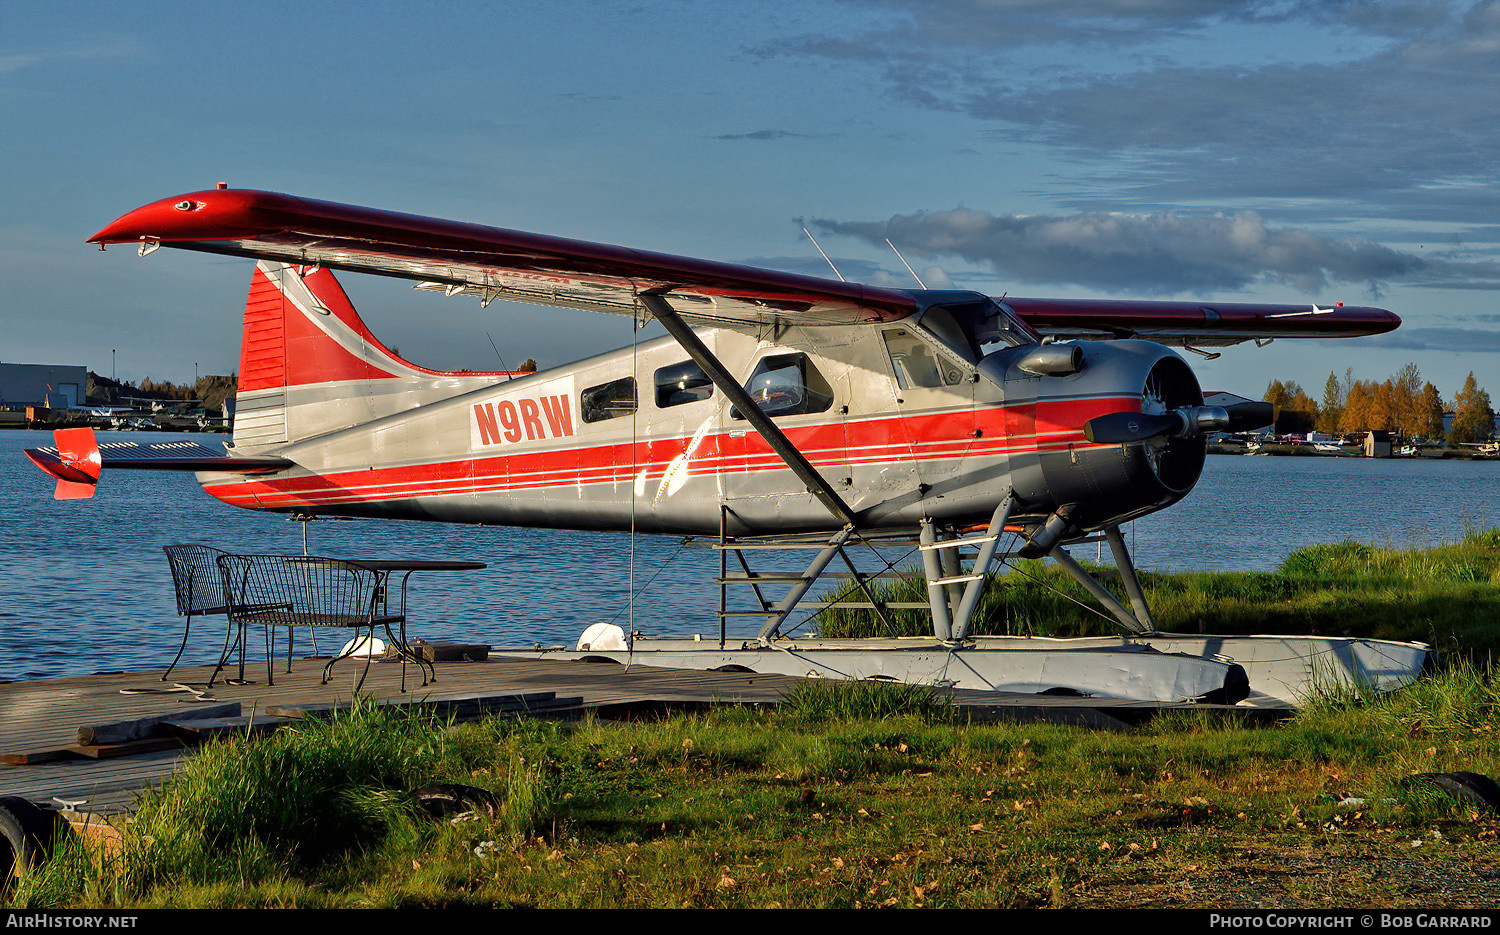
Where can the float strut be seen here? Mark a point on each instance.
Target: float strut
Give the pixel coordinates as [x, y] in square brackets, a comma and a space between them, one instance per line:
[1106, 599]
[789, 603]
[1127, 576]
[817, 485]
[974, 590]
[937, 593]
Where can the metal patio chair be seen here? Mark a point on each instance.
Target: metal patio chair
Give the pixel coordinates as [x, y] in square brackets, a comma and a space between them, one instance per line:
[200, 593]
[306, 591]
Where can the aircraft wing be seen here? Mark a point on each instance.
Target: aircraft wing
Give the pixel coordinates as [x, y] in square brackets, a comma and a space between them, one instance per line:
[492, 262]
[1200, 324]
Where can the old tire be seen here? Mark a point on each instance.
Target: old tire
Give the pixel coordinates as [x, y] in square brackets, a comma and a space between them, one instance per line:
[27, 832]
[447, 798]
[1473, 789]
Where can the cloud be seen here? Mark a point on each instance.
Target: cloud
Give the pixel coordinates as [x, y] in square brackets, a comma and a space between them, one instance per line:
[914, 30]
[11, 61]
[760, 135]
[1161, 253]
[1468, 340]
[1382, 118]
[855, 270]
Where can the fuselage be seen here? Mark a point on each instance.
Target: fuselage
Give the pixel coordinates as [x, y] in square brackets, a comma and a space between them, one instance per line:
[895, 418]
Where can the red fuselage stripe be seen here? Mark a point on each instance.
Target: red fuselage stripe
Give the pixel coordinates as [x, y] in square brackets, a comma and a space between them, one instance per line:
[1048, 425]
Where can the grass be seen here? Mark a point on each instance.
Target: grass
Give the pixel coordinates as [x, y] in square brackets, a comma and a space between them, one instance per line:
[849, 795]
[1448, 596]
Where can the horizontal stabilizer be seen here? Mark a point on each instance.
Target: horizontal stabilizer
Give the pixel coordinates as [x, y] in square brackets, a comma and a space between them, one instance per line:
[78, 458]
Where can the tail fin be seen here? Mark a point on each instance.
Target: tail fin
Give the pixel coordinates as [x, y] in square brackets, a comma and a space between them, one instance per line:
[309, 365]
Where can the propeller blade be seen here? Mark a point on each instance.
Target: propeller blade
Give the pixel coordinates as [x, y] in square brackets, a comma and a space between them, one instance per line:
[1246, 416]
[1122, 428]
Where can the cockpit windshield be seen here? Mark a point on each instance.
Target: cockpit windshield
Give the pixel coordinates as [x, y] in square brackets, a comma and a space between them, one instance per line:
[973, 329]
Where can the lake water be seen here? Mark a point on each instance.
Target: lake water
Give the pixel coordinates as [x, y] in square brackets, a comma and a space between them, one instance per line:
[84, 586]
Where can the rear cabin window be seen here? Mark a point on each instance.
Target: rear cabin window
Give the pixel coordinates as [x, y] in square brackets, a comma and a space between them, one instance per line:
[915, 363]
[682, 383]
[608, 400]
[787, 385]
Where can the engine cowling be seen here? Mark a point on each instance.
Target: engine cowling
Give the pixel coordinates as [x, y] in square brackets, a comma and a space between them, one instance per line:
[1090, 485]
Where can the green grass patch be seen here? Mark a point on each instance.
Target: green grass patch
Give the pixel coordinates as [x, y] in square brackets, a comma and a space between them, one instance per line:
[850, 795]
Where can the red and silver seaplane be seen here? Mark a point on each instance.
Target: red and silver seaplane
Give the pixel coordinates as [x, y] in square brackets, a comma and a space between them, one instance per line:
[781, 410]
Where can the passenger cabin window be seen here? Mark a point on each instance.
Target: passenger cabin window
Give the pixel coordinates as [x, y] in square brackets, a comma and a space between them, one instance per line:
[608, 400]
[916, 364]
[682, 383]
[786, 385]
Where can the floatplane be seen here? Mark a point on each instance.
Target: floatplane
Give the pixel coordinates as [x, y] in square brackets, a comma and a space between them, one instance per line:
[780, 411]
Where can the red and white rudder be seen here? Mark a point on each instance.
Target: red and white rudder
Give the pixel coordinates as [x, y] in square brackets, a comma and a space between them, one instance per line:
[309, 365]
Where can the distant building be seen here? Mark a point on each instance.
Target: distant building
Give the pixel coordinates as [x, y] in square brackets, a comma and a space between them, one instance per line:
[1222, 398]
[56, 386]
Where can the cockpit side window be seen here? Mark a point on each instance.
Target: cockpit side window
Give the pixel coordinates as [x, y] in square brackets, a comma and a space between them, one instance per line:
[682, 383]
[788, 384]
[915, 363]
[608, 400]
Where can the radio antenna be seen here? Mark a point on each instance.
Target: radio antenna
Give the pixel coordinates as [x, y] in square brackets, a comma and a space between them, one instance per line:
[508, 376]
[825, 256]
[905, 264]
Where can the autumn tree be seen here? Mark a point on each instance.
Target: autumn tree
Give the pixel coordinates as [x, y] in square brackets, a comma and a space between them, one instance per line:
[1296, 413]
[1381, 414]
[1355, 417]
[1406, 392]
[1473, 418]
[1333, 405]
[1277, 394]
[1430, 404]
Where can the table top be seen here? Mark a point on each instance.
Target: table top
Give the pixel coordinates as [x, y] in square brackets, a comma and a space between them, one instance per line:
[415, 564]
[396, 564]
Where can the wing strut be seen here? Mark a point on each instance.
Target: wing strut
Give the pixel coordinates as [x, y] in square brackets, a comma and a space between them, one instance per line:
[747, 406]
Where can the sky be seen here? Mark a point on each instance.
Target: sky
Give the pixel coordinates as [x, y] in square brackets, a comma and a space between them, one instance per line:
[1280, 151]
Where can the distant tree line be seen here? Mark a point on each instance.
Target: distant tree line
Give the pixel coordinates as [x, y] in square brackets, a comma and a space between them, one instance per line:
[212, 390]
[1404, 404]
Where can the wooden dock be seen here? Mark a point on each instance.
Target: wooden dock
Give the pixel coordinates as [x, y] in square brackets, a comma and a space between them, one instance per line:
[41, 757]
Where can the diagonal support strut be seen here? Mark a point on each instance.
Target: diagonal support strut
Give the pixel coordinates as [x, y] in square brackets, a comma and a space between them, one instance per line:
[719, 374]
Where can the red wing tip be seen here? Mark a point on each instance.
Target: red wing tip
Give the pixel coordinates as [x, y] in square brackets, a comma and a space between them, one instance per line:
[214, 213]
